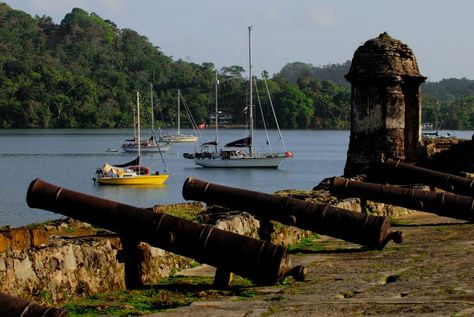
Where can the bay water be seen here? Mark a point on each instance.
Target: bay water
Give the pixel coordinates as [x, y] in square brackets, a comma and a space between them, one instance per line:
[69, 158]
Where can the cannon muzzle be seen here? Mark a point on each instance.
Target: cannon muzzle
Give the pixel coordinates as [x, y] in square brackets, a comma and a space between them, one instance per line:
[11, 306]
[372, 231]
[440, 203]
[260, 261]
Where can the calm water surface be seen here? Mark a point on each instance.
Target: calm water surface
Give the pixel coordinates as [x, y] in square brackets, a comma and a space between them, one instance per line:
[68, 158]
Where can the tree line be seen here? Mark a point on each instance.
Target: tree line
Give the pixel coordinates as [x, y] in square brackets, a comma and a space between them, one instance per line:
[84, 72]
[447, 104]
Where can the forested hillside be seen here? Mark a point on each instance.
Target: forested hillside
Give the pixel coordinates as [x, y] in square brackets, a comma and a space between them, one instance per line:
[447, 104]
[331, 72]
[84, 72]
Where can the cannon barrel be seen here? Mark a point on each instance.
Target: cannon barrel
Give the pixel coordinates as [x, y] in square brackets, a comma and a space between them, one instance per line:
[415, 174]
[440, 203]
[11, 306]
[260, 261]
[372, 231]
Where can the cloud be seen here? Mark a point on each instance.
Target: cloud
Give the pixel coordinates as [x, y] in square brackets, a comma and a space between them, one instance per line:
[323, 15]
[52, 8]
[115, 8]
[107, 9]
[274, 14]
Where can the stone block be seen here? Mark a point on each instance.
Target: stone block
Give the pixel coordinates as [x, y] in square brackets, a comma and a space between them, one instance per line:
[4, 242]
[23, 269]
[39, 237]
[352, 204]
[19, 239]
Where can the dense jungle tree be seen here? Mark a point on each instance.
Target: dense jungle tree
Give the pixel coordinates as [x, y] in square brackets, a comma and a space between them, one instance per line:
[84, 72]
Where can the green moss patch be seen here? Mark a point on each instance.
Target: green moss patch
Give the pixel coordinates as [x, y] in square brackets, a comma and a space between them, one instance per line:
[170, 293]
[188, 211]
[305, 245]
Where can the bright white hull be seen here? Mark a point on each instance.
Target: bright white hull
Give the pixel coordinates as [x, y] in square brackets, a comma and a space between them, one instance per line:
[255, 162]
[178, 138]
[147, 149]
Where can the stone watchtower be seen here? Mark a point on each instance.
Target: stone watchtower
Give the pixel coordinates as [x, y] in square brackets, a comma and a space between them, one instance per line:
[385, 104]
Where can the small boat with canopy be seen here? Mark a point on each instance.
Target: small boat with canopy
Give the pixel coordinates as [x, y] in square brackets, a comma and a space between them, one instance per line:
[130, 173]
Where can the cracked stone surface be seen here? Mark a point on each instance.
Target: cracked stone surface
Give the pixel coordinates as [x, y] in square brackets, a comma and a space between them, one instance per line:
[429, 274]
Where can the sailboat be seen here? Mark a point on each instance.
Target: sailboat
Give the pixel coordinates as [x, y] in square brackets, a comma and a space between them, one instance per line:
[180, 137]
[149, 145]
[239, 153]
[130, 173]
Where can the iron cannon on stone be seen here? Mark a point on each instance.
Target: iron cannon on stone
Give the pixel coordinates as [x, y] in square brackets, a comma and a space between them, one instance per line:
[399, 172]
[360, 228]
[11, 306]
[440, 203]
[260, 261]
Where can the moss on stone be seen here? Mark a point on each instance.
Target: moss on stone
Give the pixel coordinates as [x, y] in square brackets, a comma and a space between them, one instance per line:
[188, 211]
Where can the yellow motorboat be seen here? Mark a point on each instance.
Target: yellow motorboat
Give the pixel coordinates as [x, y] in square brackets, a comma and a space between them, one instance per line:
[135, 180]
[131, 173]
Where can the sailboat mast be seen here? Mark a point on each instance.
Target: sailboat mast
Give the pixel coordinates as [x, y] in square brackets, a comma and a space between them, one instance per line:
[179, 121]
[134, 123]
[152, 111]
[217, 112]
[250, 93]
[138, 122]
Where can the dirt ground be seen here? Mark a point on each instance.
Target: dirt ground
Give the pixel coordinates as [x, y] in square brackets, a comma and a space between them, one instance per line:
[429, 274]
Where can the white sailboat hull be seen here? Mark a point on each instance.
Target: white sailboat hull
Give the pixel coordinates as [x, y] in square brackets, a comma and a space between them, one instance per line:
[247, 162]
[239, 153]
[179, 138]
[147, 149]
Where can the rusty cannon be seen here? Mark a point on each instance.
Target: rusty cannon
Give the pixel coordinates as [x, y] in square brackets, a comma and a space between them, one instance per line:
[440, 203]
[403, 172]
[372, 231]
[11, 306]
[260, 261]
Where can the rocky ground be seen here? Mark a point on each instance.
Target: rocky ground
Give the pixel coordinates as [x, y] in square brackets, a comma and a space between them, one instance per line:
[430, 274]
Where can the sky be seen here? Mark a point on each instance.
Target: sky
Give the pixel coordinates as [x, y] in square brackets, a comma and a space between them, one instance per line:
[318, 32]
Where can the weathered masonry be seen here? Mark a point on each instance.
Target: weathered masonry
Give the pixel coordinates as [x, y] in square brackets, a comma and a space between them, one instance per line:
[385, 104]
